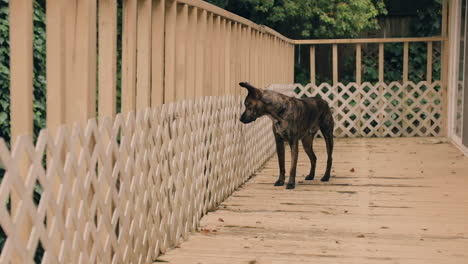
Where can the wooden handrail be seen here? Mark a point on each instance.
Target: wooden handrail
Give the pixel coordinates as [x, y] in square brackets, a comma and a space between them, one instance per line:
[235, 18]
[364, 40]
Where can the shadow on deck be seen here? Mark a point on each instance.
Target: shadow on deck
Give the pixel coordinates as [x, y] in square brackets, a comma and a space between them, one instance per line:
[401, 200]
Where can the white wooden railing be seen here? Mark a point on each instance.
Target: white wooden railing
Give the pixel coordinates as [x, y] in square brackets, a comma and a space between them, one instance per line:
[124, 191]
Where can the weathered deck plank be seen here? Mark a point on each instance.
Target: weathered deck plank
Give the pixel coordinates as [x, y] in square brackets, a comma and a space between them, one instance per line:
[405, 202]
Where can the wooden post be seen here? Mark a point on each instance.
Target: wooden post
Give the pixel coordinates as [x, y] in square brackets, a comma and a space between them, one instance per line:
[444, 68]
[429, 63]
[312, 65]
[143, 81]
[55, 65]
[107, 58]
[358, 64]
[221, 56]
[81, 96]
[358, 87]
[21, 68]
[382, 116]
[169, 54]
[227, 58]
[200, 52]
[129, 56]
[190, 53]
[208, 62]
[405, 93]
[181, 51]
[405, 62]
[157, 52]
[381, 62]
[55, 96]
[216, 54]
[335, 64]
[21, 98]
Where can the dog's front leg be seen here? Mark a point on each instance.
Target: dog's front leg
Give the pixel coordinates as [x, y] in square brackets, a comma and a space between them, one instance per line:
[280, 153]
[294, 154]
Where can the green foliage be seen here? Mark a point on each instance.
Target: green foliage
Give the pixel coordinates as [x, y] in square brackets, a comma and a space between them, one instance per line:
[310, 18]
[428, 23]
[4, 71]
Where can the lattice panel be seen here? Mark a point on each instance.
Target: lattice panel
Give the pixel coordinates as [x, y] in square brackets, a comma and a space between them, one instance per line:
[380, 110]
[123, 191]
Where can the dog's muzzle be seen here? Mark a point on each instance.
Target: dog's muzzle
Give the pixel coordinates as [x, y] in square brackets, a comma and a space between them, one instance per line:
[244, 119]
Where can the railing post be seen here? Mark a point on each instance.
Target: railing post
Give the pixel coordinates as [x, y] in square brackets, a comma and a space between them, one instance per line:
[107, 58]
[429, 62]
[381, 62]
[444, 67]
[207, 77]
[55, 64]
[157, 52]
[358, 87]
[358, 63]
[181, 51]
[312, 64]
[143, 81]
[216, 54]
[21, 98]
[405, 87]
[190, 86]
[55, 97]
[228, 58]
[169, 47]
[381, 93]
[200, 52]
[335, 64]
[129, 56]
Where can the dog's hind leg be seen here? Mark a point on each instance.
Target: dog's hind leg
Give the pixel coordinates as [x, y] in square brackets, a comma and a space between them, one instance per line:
[327, 132]
[280, 153]
[308, 144]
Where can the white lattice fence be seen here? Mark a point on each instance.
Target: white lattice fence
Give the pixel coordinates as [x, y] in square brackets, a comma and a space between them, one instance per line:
[126, 190]
[378, 110]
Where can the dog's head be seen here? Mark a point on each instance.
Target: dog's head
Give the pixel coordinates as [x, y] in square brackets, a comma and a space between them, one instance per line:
[254, 107]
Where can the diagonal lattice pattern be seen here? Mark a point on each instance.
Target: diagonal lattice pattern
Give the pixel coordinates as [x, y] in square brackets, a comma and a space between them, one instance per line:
[378, 110]
[124, 190]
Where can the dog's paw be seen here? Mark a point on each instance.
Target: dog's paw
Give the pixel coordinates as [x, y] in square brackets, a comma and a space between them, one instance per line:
[290, 186]
[325, 178]
[309, 178]
[279, 183]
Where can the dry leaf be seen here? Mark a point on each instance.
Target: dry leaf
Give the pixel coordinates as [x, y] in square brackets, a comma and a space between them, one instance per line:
[352, 170]
[361, 236]
[220, 220]
[205, 231]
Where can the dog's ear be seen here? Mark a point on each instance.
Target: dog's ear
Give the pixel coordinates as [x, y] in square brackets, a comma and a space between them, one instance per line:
[256, 93]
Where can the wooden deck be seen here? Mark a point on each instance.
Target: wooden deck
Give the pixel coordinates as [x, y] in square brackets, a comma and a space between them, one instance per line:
[390, 201]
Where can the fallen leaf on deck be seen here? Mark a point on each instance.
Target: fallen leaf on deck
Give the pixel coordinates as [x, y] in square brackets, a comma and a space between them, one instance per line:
[205, 231]
[361, 236]
[352, 170]
[220, 220]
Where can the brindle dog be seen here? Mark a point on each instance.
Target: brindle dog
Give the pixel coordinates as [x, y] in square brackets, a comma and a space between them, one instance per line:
[293, 120]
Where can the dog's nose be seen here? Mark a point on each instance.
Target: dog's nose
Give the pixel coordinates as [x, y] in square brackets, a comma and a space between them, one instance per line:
[243, 119]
